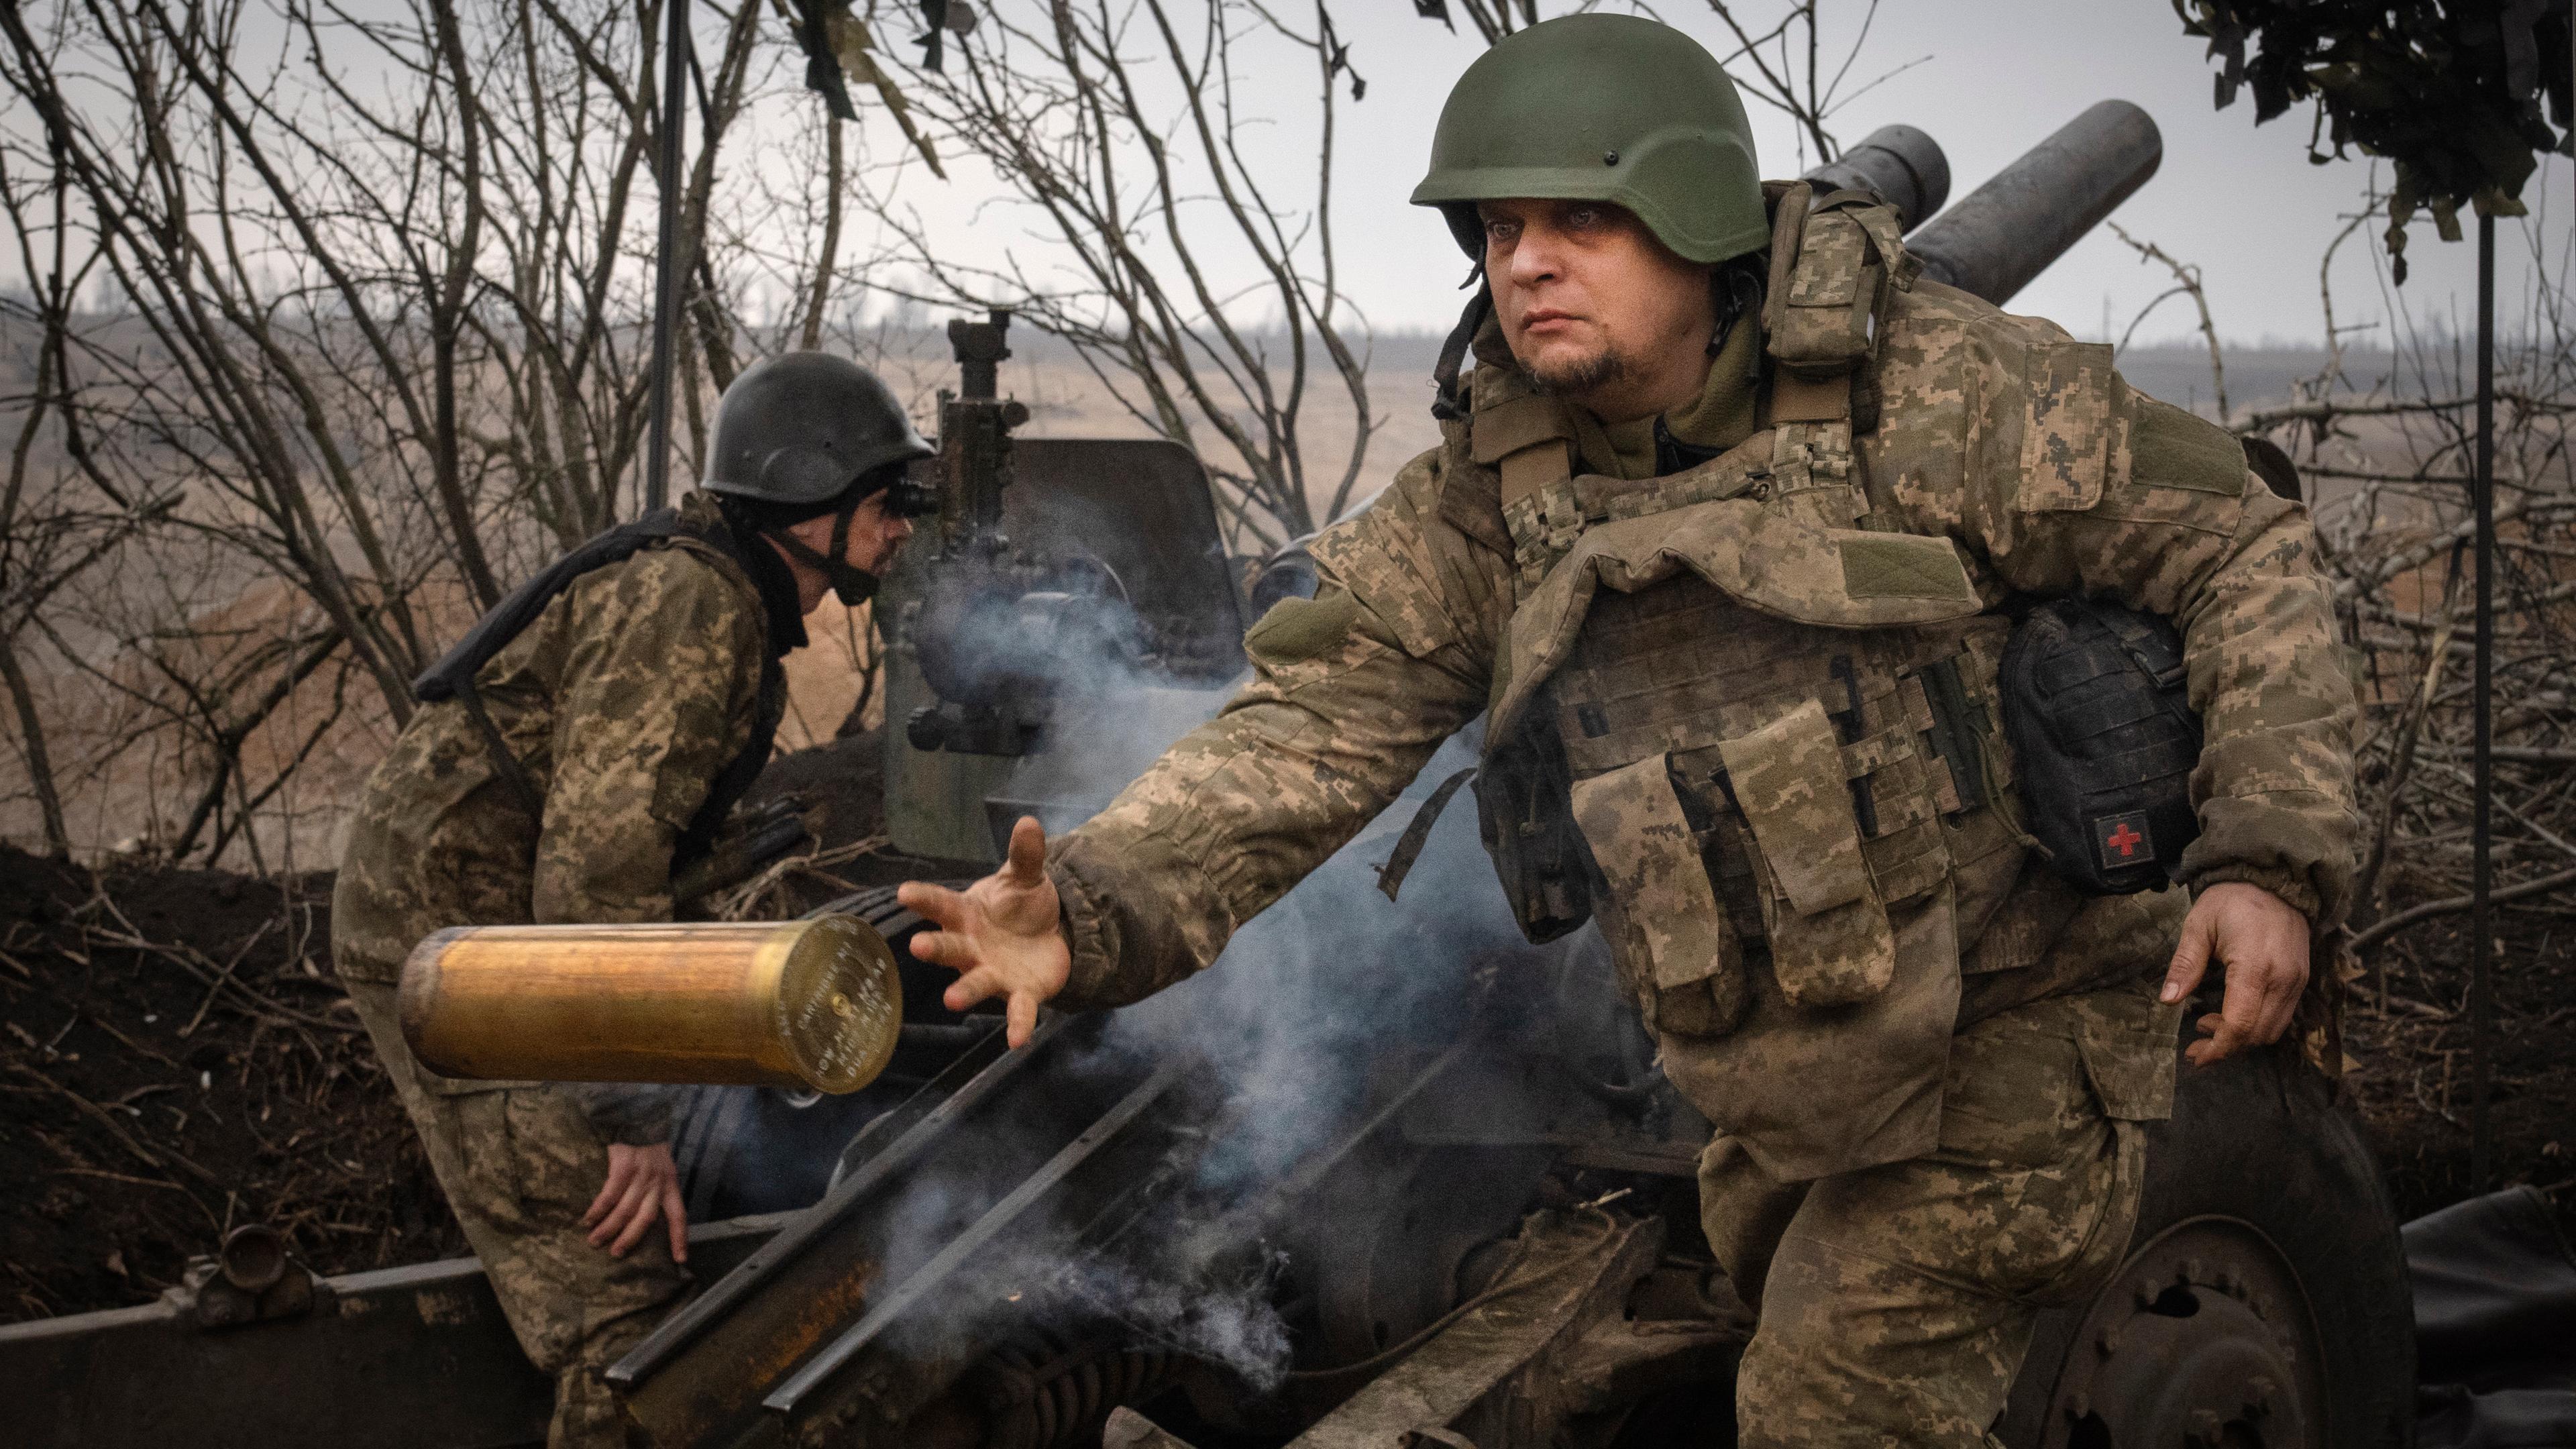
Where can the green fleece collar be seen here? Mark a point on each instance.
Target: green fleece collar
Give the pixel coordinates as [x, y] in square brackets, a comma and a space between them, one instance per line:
[1721, 417]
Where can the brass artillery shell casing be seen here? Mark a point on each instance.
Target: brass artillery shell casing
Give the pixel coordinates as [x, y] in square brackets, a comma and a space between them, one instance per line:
[813, 1003]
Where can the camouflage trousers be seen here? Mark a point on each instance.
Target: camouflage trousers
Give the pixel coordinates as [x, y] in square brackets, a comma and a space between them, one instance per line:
[1894, 1304]
[520, 1166]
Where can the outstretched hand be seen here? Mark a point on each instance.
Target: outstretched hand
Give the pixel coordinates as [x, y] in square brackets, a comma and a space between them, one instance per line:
[2263, 941]
[1002, 935]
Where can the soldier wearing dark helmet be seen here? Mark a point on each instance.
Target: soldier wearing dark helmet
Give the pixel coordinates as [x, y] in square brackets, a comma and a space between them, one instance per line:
[581, 745]
[1725, 536]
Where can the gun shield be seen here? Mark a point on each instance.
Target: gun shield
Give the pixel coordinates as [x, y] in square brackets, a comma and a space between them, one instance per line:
[814, 1003]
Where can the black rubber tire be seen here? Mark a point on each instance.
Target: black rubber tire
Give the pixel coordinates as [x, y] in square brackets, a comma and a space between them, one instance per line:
[923, 983]
[761, 1150]
[2257, 1139]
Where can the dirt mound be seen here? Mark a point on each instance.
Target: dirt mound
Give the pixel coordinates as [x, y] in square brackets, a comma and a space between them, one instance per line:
[175, 1059]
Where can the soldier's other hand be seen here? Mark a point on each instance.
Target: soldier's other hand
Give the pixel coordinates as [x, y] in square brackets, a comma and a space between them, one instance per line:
[1003, 935]
[643, 1186]
[2263, 941]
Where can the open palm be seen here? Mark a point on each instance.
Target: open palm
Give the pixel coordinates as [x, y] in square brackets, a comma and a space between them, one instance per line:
[1002, 935]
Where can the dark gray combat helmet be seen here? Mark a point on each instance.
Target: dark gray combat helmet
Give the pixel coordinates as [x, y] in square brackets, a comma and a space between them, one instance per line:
[799, 428]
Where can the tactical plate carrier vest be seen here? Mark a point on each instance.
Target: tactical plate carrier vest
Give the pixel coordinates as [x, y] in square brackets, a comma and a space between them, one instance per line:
[453, 676]
[1756, 729]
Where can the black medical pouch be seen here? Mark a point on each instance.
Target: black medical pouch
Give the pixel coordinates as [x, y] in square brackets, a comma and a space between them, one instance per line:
[2104, 741]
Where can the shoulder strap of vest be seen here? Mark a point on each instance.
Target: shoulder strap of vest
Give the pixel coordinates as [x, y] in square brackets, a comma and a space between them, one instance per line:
[769, 710]
[454, 672]
[735, 780]
[1834, 261]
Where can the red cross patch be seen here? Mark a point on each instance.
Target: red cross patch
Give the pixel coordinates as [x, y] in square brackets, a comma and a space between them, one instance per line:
[2123, 840]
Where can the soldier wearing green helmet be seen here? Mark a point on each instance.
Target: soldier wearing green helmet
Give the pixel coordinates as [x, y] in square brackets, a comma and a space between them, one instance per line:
[1723, 540]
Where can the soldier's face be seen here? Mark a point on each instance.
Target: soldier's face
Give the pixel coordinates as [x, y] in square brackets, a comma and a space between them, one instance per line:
[1594, 308]
[875, 533]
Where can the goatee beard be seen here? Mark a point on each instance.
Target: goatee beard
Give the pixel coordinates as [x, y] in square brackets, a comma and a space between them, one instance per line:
[1579, 376]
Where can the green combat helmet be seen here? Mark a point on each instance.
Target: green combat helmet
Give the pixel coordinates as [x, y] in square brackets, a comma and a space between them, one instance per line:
[1612, 108]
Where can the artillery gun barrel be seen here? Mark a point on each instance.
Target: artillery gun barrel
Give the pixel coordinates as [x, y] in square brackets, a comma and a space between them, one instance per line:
[2008, 230]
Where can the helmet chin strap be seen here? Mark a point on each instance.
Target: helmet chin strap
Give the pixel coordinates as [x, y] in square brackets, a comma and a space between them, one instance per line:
[853, 585]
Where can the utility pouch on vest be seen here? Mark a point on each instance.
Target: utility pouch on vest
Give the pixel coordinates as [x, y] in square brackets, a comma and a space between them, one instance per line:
[1691, 978]
[1520, 814]
[1820, 324]
[1830, 940]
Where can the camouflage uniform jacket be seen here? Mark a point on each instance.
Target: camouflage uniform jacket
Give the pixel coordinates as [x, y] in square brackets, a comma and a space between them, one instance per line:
[623, 702]
[2000, 437]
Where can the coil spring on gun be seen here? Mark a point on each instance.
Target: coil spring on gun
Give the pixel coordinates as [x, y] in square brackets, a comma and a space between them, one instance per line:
[1047, 1391]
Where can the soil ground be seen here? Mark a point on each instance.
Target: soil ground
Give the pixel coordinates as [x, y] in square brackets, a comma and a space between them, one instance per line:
[175, 1059]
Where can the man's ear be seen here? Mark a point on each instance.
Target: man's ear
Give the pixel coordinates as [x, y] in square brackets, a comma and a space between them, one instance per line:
[802, 530]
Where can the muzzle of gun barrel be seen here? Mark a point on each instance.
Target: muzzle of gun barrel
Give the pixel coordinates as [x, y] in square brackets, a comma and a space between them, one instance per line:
[814, 1003]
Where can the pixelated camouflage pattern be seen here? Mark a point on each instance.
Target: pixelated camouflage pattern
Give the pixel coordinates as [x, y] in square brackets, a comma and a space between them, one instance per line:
[2001, 463]
[1830, 940]
[1768, 559]
[2231, 563]
[2008, 1056]
[1895, 1303]
[623, 701]
[1662, 907]
[1315, 745]
[520, 1167]
[1729, 703]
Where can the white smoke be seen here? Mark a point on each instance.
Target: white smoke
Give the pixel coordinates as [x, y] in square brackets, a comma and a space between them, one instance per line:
[1290, 1016]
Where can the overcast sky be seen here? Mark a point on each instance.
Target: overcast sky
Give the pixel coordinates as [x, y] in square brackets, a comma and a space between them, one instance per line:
[1987, 79]
[2242, 202]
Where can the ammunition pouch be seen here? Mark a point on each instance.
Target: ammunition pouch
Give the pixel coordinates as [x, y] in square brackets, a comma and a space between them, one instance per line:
[2104, 740]
[1521, 813]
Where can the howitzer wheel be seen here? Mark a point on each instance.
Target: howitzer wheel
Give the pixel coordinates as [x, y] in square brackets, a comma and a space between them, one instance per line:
[2264, 1302]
